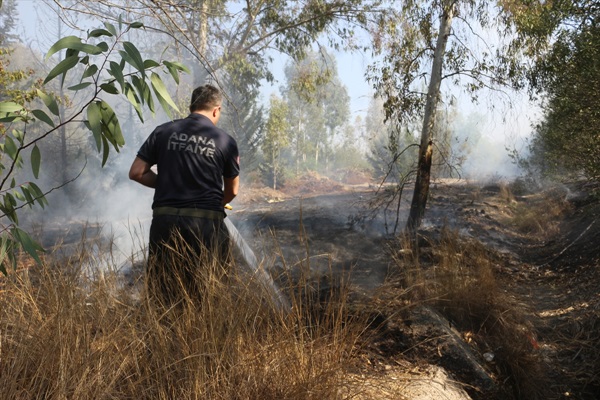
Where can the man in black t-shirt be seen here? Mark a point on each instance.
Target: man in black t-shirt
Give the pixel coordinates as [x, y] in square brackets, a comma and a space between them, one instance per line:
[197, 175]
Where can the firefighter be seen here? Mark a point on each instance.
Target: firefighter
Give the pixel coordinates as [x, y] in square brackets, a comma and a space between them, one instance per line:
[197, 174]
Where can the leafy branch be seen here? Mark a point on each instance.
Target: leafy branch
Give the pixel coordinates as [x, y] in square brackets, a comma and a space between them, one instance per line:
[101, 60]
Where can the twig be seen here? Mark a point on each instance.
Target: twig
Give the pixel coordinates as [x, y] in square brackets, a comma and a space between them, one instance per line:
[570, 244]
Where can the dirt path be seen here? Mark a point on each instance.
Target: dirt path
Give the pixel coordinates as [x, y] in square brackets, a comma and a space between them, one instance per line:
[550, 270]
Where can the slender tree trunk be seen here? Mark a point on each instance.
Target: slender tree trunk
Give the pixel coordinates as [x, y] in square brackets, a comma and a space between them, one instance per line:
[327, 149]
[64, 160]
[298, 151]
[304, 147]
[200, 73]
[421, 192]
[203, 30]
[274, 169]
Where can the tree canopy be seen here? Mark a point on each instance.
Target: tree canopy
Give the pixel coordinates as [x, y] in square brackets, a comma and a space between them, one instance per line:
[563, 39]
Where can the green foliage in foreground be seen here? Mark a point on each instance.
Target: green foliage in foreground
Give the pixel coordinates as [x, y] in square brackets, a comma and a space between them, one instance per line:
[100, 62]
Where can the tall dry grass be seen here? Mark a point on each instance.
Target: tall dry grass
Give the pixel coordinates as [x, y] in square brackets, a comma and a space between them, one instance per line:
[66, 334]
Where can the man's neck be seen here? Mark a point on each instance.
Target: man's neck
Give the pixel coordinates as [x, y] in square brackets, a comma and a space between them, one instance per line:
[207, 114]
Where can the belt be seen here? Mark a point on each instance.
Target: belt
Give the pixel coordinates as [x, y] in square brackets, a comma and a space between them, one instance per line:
[188, 212]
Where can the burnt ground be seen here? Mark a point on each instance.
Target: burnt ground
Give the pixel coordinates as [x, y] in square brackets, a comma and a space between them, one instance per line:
[315, 232]
[549, 270]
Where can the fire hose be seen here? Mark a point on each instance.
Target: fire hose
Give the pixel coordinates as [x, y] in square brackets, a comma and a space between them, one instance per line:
[256, 268]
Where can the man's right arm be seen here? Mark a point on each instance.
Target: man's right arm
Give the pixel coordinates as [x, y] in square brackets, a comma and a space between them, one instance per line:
[140, 172]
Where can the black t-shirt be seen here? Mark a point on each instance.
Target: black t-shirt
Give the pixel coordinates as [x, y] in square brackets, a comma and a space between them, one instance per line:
[192, 156]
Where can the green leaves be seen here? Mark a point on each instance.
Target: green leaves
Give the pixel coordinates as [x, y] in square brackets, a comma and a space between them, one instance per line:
[61, 68]
[133, 57]
[99, 32]
[27, 243]
[36, 160]
[49, 101]
[117, 72]
[10, 148]
[107, 72]
[7, 107]
[42, 116]
[9, 111]
[95, 123]
[105, 127]
[140, 88]
[162, 94]
[110, 28]
[175, 68]
[565, 143]
[73, 43]
[9, 243]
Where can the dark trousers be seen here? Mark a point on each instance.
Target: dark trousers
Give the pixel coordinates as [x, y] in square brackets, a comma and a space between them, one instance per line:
[181, 251]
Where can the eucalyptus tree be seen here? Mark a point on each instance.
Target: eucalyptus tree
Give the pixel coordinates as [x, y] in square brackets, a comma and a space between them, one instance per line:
[350, 152]
[243, 115]
[277, 138]
[8, 19]
[210, 36]
[563, 38]
[437, 44]
[13, 80]
[319, 105]
[99, 61]
[334, 100]
[390, 153]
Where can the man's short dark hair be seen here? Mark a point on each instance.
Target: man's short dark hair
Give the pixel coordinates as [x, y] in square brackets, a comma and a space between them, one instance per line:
[205, 97]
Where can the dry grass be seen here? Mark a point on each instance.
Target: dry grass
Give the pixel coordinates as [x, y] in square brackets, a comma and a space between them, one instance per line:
[66, 335]
[457, 277]
[539, 214]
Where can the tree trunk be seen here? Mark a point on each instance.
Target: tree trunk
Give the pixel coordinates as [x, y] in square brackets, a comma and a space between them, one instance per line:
[304, 147]
[326, 151]
[421, 192]
[298, 151]
[203, 30]
[274, 170]
[64, 159]
[199, 69]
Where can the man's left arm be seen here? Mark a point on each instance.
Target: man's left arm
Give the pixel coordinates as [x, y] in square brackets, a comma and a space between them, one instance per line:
[230, 189]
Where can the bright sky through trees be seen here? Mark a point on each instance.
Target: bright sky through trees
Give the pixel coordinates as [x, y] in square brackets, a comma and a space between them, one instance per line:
[504, 126]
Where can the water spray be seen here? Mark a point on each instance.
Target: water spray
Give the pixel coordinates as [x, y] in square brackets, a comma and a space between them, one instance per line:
[256, 268]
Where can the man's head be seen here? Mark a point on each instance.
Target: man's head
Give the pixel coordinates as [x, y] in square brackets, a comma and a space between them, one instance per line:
[205, 98]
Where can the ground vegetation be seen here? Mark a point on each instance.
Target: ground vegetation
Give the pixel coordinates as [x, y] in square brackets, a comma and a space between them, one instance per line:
[497, 296]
